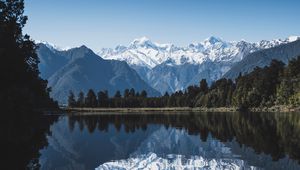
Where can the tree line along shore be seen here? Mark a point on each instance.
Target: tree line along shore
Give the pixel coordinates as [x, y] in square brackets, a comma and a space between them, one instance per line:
[98, 110]
[272, 88]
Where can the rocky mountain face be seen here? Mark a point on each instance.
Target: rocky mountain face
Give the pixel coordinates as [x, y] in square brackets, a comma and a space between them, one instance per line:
[167, 67]
[80, 69]
[284, 53]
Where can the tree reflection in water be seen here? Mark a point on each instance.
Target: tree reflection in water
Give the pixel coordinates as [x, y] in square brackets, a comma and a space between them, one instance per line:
[275, 134]
[23, 134]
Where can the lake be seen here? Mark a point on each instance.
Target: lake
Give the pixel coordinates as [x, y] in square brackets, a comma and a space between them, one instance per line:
[165, 141]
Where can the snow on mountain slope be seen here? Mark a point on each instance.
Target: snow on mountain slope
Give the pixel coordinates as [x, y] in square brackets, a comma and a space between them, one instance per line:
[175, 149]
[144, 52]
[283, 52]
[167, 67]
[52, 46]
[152, 161]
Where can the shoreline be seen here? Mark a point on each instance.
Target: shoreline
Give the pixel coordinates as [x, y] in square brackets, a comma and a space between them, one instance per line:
[163, 109]
[284, 109]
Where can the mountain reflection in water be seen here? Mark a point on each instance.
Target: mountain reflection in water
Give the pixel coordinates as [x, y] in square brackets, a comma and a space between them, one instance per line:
[263, 140]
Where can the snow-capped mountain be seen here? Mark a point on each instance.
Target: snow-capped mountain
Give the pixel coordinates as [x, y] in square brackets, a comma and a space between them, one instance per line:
[283, 52]
[167, 67]
[144, 52]
[52, 46]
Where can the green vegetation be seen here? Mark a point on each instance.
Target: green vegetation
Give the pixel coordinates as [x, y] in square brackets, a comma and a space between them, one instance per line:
[288, 91]
[263, 87]
[21, 86]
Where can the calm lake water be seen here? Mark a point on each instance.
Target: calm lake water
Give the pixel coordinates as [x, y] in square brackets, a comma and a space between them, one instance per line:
[207, 140]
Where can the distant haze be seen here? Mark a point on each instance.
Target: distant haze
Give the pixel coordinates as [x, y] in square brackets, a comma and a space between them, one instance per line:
[99, 24]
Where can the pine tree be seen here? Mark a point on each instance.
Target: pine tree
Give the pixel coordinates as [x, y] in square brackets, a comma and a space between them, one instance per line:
[203, 86]
[132, 93]
[126, 93]
[21, 85]
[91, 99]
[166, 94]
[144, 94]
[80, 100]
[71, 99]
[103, 98]
[118, 94]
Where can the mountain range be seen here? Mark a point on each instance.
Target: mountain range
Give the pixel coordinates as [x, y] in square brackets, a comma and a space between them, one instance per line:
[167, 67]
[157, 68]
[283, 52]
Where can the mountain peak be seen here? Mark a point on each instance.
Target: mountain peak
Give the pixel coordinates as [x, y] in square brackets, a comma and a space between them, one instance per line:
[83, 47]
[293, 38]
[143, 41]
[49, 45]
[81, 51]
[212, 40]
[52, 46]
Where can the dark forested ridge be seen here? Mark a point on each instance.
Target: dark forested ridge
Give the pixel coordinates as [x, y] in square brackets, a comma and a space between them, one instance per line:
[21, 85]
[271, 85]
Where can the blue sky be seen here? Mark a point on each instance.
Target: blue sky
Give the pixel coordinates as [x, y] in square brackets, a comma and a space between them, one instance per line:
[99, 23]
